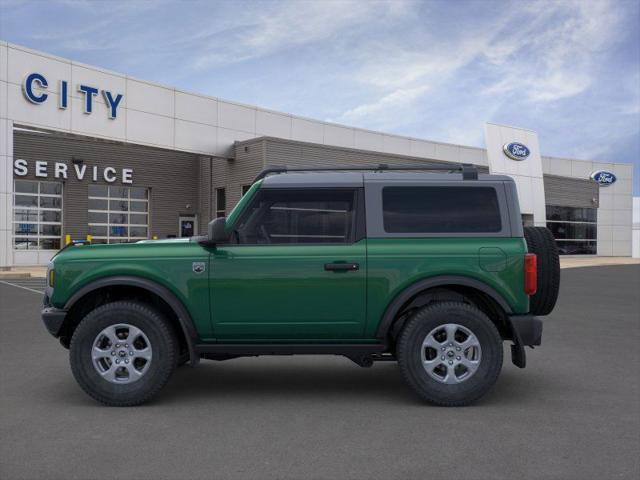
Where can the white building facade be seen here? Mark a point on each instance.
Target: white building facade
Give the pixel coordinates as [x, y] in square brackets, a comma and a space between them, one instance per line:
[85, 151]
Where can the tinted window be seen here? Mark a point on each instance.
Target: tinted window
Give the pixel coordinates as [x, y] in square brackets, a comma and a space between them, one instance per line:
[51, 202]
[298, 216]
[119, 192]
[25, 201]
[574, 228]
[51, 188]
[25, 186]
[98, 191]
[573, 231]
[568, 247]
[440, 210]
[95, 204]
[572, 214]
[139, 193]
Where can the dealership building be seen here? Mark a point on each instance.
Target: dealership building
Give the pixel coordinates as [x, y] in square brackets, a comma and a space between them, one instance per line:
[85, 151]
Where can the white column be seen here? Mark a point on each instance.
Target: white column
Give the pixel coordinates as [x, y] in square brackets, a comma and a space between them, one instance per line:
[6, 192]
[6, 164]
[526, 173]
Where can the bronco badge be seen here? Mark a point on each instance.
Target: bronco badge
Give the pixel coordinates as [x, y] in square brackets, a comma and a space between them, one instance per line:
[198, 267]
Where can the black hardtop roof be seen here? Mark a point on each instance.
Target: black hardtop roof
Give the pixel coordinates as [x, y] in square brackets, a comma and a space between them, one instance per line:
[356, 176]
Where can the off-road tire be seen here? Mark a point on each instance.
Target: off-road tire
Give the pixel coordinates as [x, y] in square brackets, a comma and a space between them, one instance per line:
[410, 360]
[541, 242]
[164, 347]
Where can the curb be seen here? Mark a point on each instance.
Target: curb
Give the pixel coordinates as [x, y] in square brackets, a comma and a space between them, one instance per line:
[13, 276]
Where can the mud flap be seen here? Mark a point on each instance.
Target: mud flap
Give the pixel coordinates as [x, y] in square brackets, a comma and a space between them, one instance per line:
[518, 356]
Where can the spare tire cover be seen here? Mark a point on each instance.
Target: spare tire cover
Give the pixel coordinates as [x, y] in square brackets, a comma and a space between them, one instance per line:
[541, 242]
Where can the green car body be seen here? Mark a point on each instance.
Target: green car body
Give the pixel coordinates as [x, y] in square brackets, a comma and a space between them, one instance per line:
[316, 264]
[278, 293]
[274, 297]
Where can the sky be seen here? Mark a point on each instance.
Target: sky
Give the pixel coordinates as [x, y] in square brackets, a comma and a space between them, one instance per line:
[568, 69]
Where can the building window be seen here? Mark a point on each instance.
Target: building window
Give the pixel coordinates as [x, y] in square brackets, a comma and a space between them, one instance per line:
[575, 229]
[37, 215]
[118, 214]
[221, 202]
[245, 189]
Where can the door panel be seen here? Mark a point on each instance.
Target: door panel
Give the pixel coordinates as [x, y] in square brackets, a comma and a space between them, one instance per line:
[284, 292]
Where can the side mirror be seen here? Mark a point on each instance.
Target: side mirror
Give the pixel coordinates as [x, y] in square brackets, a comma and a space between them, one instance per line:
[217, 230]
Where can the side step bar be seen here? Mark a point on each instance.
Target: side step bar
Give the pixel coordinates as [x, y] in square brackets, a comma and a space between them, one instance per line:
[362, 354]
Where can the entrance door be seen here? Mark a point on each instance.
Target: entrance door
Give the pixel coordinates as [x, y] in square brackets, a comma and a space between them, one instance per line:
[296, 271]
[187, 226]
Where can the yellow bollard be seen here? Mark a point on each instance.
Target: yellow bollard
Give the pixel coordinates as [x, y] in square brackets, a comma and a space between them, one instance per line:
[67, 239]
[89, 238]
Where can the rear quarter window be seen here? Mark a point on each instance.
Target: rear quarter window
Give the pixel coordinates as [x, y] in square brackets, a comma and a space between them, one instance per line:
[439, 209]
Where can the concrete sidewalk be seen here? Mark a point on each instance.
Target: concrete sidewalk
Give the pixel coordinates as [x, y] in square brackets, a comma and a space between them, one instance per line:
[573, 262]
[24, 272]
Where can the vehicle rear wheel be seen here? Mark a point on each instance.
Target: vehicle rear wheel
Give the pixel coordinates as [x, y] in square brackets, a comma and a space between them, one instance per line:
[541, 242]
[450, 353]
[123, 353]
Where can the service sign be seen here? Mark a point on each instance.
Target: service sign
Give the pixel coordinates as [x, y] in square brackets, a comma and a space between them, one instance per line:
[80, 171]
[516, 151]
[603, 178]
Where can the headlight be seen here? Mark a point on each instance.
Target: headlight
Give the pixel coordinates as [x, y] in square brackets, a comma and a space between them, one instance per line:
[51, 275]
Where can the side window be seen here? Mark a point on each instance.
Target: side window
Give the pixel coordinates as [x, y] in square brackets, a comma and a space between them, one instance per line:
[291, 216]
[440, 210]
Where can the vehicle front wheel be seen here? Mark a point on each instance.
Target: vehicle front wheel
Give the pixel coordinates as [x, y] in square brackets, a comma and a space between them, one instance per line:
[123, 353]
[450, 353]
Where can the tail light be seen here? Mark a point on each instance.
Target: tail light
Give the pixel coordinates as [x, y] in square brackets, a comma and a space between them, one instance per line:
[530, 273]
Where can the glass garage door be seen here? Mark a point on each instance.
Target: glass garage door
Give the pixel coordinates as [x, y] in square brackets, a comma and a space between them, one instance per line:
[118, 214]
[37, 215]
[575, 229]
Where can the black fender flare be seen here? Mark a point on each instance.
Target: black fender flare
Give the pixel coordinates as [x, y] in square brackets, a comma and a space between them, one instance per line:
[184, 317]
[415, 288]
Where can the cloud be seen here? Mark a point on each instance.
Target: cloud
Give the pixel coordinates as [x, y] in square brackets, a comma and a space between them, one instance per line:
[533, 53]
[394, 100]
[553, 55]
[568, 69]
[273, 27]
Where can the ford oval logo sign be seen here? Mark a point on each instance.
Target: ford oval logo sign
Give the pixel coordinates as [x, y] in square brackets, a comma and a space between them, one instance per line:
[603, 178]
[516, 151]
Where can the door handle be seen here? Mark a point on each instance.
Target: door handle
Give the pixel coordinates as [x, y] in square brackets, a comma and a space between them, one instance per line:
[341, 267]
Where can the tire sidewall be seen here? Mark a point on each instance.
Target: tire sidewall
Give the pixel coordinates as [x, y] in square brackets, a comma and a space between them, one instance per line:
[162, 344]
[410, 357]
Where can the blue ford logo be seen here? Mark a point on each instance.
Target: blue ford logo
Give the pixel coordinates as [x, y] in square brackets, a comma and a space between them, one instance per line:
[516, 151]
[603, 178]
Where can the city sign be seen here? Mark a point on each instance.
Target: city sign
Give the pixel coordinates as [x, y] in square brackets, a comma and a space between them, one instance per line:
[39, 95]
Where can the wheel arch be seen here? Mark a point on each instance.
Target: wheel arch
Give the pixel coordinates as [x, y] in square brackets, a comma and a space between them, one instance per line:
[131, 286]
[428, 290]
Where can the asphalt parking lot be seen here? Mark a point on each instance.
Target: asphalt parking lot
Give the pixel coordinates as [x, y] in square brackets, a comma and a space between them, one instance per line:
[572, 413]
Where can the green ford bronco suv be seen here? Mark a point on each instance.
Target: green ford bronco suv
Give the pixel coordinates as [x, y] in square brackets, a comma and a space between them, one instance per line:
[434, 270]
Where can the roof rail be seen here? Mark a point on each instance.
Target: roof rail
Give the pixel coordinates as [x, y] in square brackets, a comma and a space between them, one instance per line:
[469, 171]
